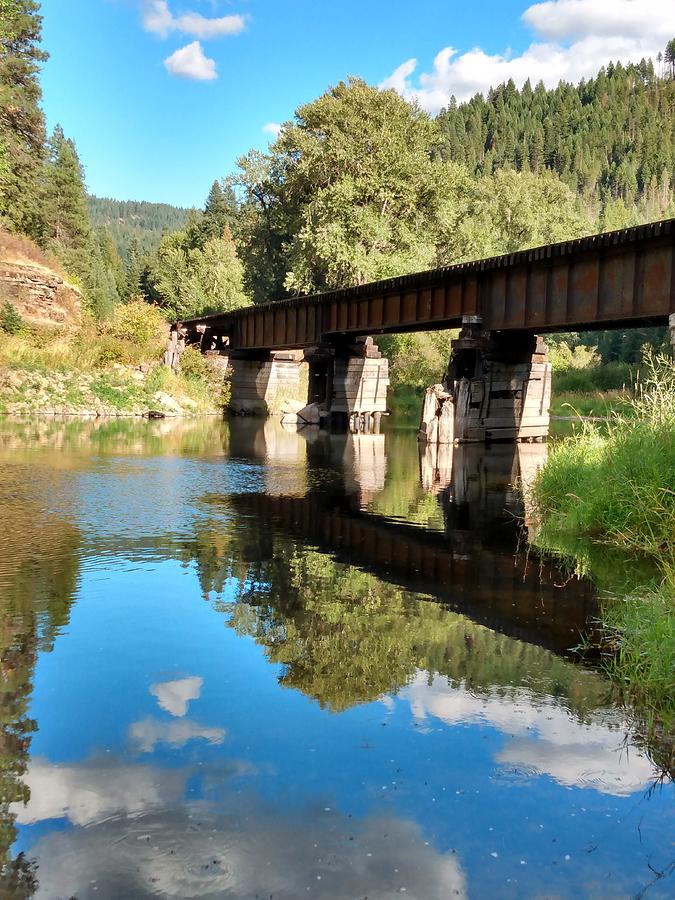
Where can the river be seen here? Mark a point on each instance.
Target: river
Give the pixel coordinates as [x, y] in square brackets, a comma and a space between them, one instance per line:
[239, 661]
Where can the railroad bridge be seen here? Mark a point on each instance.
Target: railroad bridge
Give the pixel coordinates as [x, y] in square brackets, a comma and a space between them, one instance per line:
[319, 349]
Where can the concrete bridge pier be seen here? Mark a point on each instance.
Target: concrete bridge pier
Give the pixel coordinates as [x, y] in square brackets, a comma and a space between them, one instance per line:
[497, 388]
[344, 383]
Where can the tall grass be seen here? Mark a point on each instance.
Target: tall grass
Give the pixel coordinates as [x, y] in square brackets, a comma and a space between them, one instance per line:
[95, 360]
[611, 490]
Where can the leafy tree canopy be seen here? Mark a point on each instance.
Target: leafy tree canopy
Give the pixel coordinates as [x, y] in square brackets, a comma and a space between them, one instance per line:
[189, 280]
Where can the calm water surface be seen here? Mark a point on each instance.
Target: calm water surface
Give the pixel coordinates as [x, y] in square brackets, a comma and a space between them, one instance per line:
[242, 662]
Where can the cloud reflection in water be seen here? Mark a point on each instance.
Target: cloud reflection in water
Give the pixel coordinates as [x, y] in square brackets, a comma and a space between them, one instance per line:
[544, 738]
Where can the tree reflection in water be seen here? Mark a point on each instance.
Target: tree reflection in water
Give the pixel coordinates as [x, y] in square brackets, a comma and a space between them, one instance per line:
[39, 565]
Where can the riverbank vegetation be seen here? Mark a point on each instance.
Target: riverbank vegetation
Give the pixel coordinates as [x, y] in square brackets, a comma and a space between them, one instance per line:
[108, 368]
[606, 503]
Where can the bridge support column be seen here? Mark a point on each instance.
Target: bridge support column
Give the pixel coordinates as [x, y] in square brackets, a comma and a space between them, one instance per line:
[347, 382]
[498, 388]
[360, 382]
[262, 383]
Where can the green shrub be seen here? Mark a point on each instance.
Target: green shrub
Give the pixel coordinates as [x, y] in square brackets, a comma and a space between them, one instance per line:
[10, 319]
[157, 379]
[111, 349]
[563, 357]
[608, 377]
[194, 364]
[138, 322]
[419, 359]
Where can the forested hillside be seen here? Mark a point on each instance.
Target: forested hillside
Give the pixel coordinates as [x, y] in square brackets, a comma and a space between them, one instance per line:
[610, 138]
[128, 220]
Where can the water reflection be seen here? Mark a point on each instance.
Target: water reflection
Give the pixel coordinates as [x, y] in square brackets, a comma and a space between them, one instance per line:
[244, 661]
[39, 567]
[544, 737]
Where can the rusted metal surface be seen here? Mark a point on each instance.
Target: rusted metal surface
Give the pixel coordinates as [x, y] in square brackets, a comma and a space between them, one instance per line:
[620, 277]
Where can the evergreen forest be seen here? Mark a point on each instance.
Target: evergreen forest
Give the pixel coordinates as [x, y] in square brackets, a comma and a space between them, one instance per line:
[145, 222]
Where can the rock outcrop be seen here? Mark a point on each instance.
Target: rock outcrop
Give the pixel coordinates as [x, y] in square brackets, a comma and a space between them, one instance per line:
[38, 292]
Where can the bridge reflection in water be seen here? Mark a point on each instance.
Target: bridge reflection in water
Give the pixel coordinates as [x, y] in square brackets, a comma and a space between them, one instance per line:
[470, 552]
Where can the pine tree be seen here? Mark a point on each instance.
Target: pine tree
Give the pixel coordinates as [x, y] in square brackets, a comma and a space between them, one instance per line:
[220, 213]
[100, 287]
[134, 268]
[21, 120]
[669, 56]
[67, 224]
[537, 152]
[112, 261]
[614, 132]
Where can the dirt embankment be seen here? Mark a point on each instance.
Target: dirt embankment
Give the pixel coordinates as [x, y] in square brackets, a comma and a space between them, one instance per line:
[33, 284]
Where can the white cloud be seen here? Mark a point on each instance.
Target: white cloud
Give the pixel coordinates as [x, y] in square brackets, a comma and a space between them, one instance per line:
[158, 19]
[564, 19]
[201, 27]
[191, 62]
[273, 128]
[147, 733]
[576, 38]
[174, 696]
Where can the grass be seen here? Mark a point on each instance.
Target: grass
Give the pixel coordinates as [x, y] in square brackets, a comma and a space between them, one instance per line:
[95, 367]
[606, 503]
[598, 404]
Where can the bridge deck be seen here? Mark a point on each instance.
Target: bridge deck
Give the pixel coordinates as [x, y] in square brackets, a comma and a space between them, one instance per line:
[620, 277]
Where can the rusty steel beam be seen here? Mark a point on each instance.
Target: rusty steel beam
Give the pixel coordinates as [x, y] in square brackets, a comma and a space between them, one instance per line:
[618, 278]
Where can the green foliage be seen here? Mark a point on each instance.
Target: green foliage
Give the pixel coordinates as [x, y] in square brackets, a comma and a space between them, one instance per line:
[562, 356]
[10, 319]
[419, 359]
[194, 364]
[220, 214]
[608, 377]
[611, 138]
[102, 294]
[349, 192]
[508, 211]
[596, 404]
[201, 375]
[356, 190]
[21, 119]
[115, 392]
[140, 323]
[616, 487]
[67, 225]
[133, 223]
[188, 280]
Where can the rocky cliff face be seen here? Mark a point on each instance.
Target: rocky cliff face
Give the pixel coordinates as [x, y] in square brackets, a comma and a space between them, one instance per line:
[41, 295]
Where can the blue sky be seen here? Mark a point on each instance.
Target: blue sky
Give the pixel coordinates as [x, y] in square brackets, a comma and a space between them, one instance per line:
[162, 96]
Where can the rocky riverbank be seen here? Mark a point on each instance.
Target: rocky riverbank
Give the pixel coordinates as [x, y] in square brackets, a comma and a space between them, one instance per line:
[118, 391]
